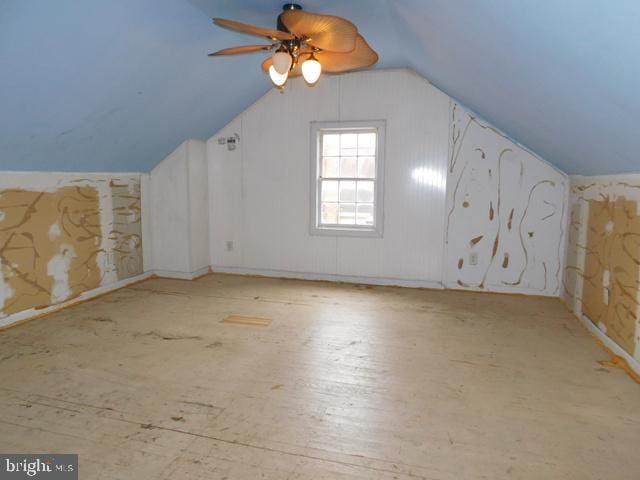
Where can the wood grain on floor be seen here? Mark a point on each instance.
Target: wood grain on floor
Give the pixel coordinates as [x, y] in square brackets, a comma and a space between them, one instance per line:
[348, 382]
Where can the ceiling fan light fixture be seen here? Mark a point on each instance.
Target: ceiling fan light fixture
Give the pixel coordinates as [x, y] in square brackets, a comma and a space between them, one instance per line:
[306, 44]
[282, 61]
[278, 79]
[311, 69]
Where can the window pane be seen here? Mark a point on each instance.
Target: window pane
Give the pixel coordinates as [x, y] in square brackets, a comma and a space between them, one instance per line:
[365, 192]
[365, 214]
[366, 144]
[348, 166]
[330, 166]
[329, 213]
[366, 167]
[331, 144]
[367, 140]
[347, 174]
[366, 152]
[329, 191]
[349, 144]
[348, 140]
[347, 191]
[347, 214]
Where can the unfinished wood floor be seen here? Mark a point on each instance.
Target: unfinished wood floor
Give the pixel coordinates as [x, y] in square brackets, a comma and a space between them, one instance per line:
[347, 382]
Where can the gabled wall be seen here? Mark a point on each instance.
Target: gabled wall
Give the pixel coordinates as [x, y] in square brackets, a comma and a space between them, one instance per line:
[447, 176]
[260, 192]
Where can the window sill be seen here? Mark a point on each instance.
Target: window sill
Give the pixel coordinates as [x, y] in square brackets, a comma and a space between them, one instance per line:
[345, 232]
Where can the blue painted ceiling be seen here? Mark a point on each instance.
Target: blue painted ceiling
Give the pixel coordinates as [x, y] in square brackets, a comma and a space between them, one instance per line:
[93, 85]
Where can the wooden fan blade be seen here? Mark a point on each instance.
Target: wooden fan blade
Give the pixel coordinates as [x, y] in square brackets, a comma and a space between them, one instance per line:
[362, 56]
[326, 32]
[239, 50]
[252, 29]
[294, 72]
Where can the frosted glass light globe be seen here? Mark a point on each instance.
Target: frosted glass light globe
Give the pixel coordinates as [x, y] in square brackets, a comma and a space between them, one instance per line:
[311, 70]
[281, 62]
[277, 79]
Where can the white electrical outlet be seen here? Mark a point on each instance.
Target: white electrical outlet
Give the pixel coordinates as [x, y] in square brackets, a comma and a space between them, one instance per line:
[229, 244]
[473, 258]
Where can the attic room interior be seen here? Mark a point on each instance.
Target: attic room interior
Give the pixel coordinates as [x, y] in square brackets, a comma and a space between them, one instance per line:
[384, 239]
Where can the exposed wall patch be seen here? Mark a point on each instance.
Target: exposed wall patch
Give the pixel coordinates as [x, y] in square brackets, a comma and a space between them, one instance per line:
[612, 269]
[602, 272]
[61, 233]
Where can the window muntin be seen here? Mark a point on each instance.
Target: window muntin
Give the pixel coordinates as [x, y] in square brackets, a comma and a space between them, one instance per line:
[347, 184]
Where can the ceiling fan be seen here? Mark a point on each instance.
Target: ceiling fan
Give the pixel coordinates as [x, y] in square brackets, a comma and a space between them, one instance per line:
[305, 44]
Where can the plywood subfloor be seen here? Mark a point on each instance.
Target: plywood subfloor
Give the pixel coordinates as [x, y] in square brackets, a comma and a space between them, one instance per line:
[347, 382]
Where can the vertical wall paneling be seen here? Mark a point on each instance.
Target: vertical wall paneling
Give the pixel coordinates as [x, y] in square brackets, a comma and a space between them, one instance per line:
[225, 197]
[416, 117]
[169, 215]
[275, 155]
[146, 206]
[259, 193]
[179, 215]
[198, 190]
[506, 214]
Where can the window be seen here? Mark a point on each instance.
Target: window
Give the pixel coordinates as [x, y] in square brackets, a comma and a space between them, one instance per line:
[347, 168]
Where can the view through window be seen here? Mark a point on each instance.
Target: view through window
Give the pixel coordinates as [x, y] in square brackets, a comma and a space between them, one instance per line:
[348, 172]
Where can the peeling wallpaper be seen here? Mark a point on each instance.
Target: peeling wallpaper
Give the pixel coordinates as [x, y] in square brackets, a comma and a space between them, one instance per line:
[64, 234]
[506, 213]
[602, 274]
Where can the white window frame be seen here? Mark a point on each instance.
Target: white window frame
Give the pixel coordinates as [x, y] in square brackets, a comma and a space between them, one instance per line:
[376, 230]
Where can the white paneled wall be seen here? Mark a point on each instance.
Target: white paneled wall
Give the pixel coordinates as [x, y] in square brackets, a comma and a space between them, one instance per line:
[179, 212]
[169, 220]
[415, 177]
[198, 206]
[225, 199]
[260, 192]
[464, 206]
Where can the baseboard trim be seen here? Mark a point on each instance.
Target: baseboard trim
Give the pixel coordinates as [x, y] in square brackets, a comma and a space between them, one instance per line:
[177, 275]
[27, 315]
[383, 281]
[610, 344]
[529, 292]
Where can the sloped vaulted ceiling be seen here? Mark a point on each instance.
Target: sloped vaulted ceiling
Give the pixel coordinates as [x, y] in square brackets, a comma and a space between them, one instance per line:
[92, 85]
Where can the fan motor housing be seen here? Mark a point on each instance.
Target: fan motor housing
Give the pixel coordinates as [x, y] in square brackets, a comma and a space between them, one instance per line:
[285, 7]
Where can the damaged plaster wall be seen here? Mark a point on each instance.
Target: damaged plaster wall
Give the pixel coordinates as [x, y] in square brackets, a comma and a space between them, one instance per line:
[65, 234]
[602, 273]
[505, 213]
